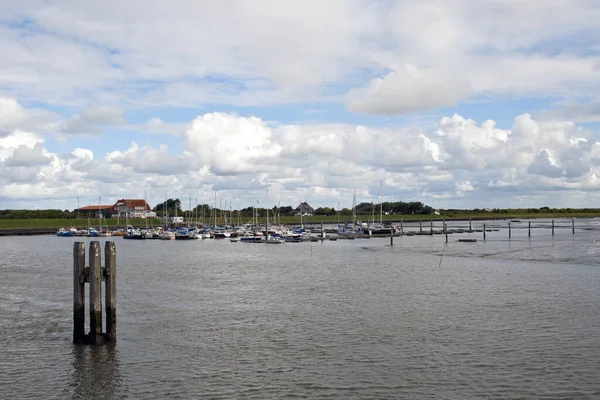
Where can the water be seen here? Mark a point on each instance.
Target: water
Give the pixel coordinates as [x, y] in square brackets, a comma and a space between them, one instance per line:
[358, 319]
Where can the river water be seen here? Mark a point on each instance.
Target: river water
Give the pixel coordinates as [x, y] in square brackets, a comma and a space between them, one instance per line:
[355, 319]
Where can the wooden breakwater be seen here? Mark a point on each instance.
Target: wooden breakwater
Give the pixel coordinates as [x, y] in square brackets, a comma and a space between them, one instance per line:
[27, 231]
[94, 275]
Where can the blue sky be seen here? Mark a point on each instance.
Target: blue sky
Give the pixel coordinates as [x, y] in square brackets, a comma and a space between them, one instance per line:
[458, 105]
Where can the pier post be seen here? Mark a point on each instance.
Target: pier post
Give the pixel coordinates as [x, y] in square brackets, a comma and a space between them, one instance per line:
[110, 290]
[95, 279]
[446, 231]
[421, 226]
[552, 227]
[78, 292]
[509, 231]
[573, 225]
[392, 236]
[402, 224]
[484, 231]
[322, 231]
[431, 226]
[529, 229]
[470, 227]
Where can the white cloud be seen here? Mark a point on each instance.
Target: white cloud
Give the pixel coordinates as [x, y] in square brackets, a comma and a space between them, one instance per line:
[409, 89]
[398, 56]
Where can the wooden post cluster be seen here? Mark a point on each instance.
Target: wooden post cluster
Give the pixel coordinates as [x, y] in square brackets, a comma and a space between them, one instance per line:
[94, 275]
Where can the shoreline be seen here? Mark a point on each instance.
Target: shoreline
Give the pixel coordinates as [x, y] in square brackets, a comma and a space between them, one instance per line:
[409, 221]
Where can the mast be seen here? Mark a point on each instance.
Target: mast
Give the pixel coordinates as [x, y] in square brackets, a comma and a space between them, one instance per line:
[215, 208]
[381, 201]
[354, 208]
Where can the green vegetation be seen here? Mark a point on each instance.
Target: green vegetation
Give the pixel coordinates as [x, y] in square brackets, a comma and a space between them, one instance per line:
[316, 219]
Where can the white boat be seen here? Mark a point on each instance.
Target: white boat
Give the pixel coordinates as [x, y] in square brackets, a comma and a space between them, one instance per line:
[275, 240]
[166, 235]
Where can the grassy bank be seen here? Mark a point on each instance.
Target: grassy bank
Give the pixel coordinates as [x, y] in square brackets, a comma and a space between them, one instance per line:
[83, 223]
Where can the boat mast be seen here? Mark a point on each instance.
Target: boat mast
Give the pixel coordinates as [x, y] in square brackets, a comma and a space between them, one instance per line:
[354, 208]
[381, 201]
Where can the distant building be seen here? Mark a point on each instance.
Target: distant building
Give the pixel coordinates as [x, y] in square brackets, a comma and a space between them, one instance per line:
[304, 209]
[132, 208]
[97, 211]
[176, 220]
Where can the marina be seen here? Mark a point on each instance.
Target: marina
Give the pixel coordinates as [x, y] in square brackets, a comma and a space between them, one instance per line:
[346, 319]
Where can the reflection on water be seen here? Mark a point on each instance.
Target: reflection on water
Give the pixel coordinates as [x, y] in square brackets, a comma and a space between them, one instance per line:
[353, 319]
[95, 373]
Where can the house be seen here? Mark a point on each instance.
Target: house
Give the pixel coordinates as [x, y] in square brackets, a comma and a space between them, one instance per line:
[132, 208]
[97, 211]
[304, 209]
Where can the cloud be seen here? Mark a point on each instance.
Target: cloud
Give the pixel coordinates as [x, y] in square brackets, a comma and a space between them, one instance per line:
[395, 57]
[91, 120]
[24, 156]
[409, 89]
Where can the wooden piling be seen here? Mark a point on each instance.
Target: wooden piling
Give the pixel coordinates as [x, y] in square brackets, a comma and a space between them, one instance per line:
[470, 227]
[484, 231]
[431, 226]
[421, 226]
[446, 231]
[509, 230]
[573, 225]
[110, 290]
[78, 292]
[95, 279]
[392, 236]
[402, 224]
[529, 229]
[552, 227]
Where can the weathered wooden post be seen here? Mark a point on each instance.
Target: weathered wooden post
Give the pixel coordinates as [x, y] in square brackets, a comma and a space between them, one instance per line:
[446, 231]
[529, 229]
[573, 225]
[431, 226]
[392, 236]
[402, 224]
[484, 231]
[94, 275]
[552, 227]
[509, 231]
[322, 231]
[110, 290]
[78, 292]
[470, 228]
[95, 279]
[421, 226]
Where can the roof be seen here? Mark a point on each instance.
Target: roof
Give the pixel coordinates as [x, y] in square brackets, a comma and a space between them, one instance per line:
[304, 208]
[94, 208]
[132, 203]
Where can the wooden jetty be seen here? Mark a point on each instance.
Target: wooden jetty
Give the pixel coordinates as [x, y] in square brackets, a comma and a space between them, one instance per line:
[95, 274]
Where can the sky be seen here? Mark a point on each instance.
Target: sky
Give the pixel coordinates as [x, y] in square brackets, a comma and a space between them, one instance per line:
[458, 104]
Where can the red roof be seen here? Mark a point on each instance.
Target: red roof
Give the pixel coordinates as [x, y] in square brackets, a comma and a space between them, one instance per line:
[132, 204]
[94, 208]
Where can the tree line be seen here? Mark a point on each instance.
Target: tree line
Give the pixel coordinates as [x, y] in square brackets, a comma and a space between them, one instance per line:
[388, 208]
[392, 208]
